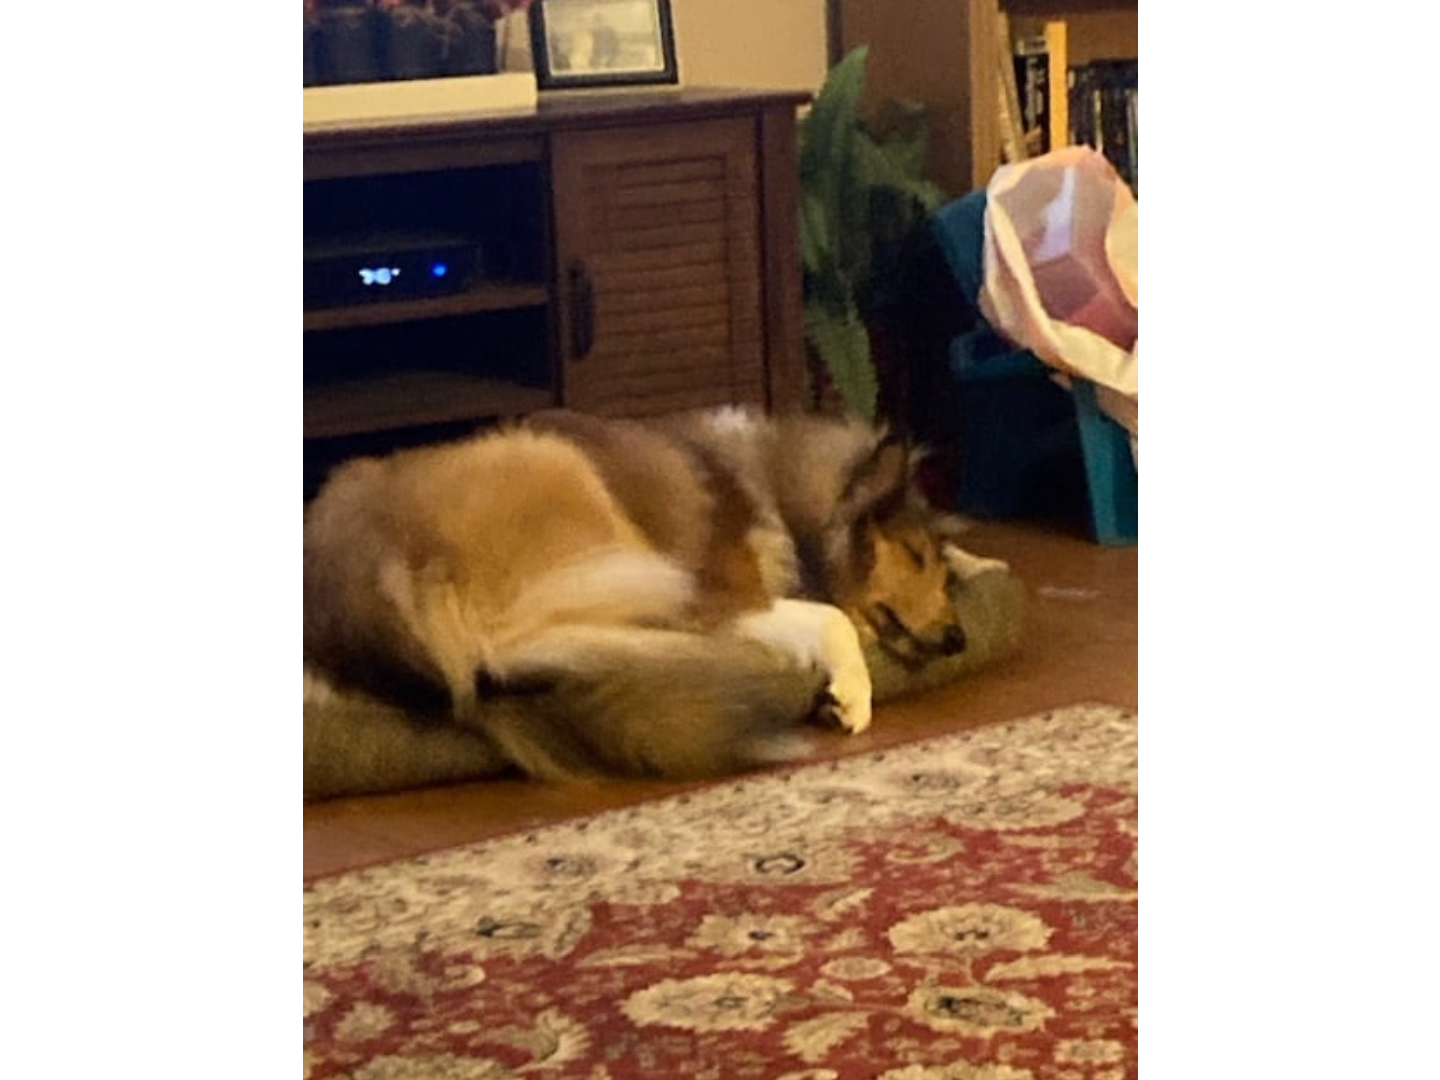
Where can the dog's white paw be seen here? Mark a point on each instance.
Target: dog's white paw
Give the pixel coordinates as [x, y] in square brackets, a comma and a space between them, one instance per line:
[820, 636]
[848, 698]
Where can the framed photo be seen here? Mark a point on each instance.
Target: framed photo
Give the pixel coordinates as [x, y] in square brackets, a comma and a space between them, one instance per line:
[602, 43]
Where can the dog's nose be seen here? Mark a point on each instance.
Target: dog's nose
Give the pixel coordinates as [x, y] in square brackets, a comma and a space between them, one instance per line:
[953, 640]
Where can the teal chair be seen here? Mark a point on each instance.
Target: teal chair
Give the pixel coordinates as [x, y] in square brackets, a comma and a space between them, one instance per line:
[1017, 424]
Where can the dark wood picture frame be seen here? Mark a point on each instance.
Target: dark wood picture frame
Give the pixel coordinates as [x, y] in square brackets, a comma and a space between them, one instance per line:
[587, 43]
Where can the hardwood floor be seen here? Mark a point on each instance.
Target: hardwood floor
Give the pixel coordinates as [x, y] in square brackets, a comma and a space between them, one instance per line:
[1080, 644]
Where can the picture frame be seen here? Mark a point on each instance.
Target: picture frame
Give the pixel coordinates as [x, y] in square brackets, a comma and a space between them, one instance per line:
[597, 43]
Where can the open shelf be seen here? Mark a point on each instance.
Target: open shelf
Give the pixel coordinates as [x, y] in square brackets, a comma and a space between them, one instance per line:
[429, 361]
[490, 296]
[414, 398]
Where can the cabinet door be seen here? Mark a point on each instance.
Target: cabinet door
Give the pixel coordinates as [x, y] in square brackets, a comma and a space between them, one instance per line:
[658, 249]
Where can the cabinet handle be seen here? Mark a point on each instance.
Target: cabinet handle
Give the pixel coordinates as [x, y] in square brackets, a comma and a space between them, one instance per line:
[582, 311]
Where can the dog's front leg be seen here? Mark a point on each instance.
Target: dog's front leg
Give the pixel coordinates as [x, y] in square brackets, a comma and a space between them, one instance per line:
[819, 635]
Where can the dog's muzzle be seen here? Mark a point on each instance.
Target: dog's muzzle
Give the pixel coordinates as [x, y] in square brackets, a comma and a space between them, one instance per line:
[910, 647]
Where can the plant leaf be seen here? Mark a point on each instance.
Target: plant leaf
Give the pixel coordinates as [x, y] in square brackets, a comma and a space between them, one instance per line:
[842, 341]
[863, 199]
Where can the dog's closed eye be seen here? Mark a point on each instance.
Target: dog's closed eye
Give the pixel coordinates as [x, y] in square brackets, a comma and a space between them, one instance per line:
[884, 620]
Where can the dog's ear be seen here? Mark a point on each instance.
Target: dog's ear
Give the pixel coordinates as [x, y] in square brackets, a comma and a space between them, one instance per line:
[878, 486]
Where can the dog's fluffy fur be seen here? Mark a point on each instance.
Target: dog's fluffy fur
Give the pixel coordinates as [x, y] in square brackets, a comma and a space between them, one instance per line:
[670, 597]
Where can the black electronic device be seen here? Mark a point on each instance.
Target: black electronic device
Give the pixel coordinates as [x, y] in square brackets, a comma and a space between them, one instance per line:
[388, 266]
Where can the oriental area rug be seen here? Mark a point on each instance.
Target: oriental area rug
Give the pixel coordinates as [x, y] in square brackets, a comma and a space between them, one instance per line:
[963, 908]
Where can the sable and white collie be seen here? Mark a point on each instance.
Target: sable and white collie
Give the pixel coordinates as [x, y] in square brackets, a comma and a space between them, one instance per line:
[665, 597]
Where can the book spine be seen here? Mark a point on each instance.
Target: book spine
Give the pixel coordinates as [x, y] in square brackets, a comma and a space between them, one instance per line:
[1012, 131]
[1132, 118]
[1032, 77]
[1078, 86]
[1116, 130]
[1057, 49]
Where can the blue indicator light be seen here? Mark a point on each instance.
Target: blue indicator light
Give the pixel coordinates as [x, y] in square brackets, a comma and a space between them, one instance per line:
[380, 275]
[439, 269]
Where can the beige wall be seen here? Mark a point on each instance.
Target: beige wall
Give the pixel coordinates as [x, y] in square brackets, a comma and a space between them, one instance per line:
[778, 44]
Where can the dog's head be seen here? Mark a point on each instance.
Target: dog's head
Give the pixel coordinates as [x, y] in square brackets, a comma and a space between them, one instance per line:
[885, 560]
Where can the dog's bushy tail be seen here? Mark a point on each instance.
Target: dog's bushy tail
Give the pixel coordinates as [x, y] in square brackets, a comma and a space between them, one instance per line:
[625, 701]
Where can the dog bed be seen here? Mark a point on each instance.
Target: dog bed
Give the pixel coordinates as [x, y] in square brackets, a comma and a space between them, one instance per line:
[358, 745]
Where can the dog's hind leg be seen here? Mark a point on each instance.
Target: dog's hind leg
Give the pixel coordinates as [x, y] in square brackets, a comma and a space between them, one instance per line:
[821, 636]
[967, 565]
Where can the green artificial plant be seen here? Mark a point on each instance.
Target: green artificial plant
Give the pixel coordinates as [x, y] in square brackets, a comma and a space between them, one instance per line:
[864, 197]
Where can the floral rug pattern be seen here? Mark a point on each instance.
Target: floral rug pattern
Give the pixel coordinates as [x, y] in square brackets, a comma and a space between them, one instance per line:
[960, 909]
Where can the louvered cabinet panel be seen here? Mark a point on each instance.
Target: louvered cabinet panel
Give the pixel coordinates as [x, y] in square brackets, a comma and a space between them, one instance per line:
[659, 264]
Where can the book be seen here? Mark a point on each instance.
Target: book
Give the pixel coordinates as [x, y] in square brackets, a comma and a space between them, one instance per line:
[1104, 103]
[1013, 145]
[1040, 51]
[1031, 60]
[1077, 83]
[1057, 50]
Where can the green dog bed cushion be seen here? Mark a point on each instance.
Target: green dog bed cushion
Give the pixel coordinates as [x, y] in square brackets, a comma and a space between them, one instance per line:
[358, 745]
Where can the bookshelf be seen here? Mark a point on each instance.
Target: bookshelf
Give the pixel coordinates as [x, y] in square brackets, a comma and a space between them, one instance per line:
[944, 54]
